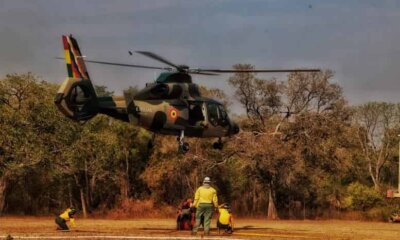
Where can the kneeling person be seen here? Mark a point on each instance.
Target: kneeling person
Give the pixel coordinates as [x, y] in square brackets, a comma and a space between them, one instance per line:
[184, 219]
[225, 219]
[62, 219]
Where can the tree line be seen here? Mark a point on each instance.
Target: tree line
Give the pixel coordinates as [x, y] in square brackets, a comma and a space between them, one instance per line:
[303, 152]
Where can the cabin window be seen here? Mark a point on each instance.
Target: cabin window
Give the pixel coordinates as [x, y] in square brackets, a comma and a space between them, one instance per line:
[196, 115]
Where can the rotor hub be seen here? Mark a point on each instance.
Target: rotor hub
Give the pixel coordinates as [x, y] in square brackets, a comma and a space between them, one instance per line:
[185, 68]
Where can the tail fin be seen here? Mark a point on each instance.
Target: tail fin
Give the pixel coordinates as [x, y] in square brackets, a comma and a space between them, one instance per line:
[75, 65]
[76, 97]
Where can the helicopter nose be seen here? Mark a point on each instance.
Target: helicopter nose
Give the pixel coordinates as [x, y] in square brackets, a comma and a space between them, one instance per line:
[234, 128]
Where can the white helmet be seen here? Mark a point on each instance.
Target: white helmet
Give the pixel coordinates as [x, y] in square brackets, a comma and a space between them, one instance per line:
[206, 180]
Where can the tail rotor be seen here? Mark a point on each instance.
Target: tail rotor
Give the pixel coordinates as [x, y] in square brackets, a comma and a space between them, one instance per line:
[76, 98]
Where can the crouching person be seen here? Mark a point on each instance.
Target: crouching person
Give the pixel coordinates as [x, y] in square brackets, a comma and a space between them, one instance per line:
[62, 219]
[185, 212]
[225, 219]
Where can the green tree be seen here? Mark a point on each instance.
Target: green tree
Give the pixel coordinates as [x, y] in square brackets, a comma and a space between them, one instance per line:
[377, 123]
[27, 129]
[361, 197]
[102, 91]
[130, 92]
[300, 126]
[260, 98]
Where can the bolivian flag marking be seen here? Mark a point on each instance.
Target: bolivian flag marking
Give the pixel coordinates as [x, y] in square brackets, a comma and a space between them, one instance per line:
[173, 113]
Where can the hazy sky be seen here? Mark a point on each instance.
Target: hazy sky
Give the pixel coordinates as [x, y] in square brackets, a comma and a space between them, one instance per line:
[359, 40]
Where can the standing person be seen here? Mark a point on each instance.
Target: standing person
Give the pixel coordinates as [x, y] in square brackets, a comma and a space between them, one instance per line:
[63, 218]
[205, 200]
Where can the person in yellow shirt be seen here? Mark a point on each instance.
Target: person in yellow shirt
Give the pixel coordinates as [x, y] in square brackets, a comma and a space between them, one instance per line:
[205, 200]
[225, 219]
[63, 218]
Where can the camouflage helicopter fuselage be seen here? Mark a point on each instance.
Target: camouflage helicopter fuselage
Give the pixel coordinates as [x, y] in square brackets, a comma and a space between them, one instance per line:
[172, 105]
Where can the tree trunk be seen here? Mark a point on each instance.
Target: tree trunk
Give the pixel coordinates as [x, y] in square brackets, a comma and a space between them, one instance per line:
[272, 212]
[82, 194]
[304, 208]
[124, 187]
[87, 188]
[374, 176]
[3, 186]
[69, 194]
[254, 205]
[127, 174]
[83, 202]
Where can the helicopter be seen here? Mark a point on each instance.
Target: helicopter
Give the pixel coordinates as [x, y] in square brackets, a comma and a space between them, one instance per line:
[172, 105]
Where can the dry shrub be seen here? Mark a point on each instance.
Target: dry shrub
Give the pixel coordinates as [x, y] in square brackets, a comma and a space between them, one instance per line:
[133, 208]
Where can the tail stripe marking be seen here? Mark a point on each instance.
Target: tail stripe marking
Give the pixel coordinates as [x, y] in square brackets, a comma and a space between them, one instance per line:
[78, 60]
[65, 43]
[67, 56]
[75, 64]
[73, 59]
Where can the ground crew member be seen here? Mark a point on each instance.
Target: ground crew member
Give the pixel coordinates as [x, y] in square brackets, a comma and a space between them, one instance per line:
[63, 218]
[205, 200]
[185, 215]
[225, 219]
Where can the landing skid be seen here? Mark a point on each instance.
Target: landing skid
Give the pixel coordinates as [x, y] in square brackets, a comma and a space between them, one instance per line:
[183, 146]
[150, 144]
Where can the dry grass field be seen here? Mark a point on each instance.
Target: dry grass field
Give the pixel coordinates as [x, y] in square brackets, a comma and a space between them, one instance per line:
[44, 228]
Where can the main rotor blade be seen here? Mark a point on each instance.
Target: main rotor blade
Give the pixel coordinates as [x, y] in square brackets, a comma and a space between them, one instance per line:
[160, 59]
[125, 65]
[203, 73]
[257, 71]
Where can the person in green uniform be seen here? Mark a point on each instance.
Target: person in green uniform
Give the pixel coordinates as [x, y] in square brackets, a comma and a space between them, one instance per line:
[205, 200]
[63, 218]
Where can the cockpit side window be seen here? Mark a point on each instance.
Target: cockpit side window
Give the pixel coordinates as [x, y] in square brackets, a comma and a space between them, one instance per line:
[213, 114]
[223, 115]
[217, 114]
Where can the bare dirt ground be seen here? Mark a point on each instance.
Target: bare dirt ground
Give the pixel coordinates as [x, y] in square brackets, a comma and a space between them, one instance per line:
[44, 228]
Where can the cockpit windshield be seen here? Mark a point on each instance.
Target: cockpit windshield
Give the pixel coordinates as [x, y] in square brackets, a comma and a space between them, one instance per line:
[217, 114]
